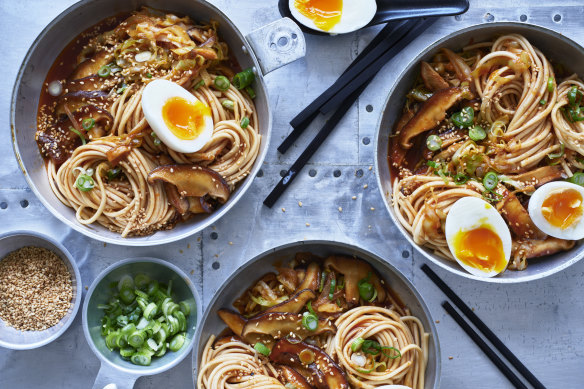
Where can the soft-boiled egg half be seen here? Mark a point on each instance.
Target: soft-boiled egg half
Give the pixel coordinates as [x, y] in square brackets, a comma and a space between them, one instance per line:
[557, 209]
[179, 119]
[478, 237]
[333, 16]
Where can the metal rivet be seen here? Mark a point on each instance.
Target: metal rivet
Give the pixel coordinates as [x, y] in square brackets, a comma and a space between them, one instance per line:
[282, 41]
[3, 205]
[369, 108]
[359, 173]
[260, 173]
[294, 36]
[312, 172]
[523, 18]
[337, 173]
[216, 265]
[273, 46]
[24, 203]
[489, 17]
[282, 173]
[557, 18]
[405, 254]
[366, 140]
[214, 235]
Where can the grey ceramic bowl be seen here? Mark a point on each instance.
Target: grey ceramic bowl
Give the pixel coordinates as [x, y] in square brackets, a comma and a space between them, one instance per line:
[114, 369]
[240, 280]
[556, 47]
[25, 340]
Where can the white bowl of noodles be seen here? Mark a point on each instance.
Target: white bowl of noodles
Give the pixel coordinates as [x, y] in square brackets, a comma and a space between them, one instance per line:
[127, 208]
[529, 141]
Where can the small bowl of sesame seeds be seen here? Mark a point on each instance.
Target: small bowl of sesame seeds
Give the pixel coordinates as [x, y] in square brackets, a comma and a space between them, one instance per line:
[40, 290]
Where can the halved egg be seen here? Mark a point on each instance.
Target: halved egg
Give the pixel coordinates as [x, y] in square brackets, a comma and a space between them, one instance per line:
[333, 16]
[557, 209]
[478, 237]
[180, 120]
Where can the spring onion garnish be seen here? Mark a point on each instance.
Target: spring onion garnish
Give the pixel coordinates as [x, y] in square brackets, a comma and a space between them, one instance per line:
[395, 353]
[372, 347]
[250, 92]
[550, 84]
[142, 320]
[83, 141]
[244, 122]
[577, 178]
[88, 123]
[113, 173]
[198, 85]
[309, 308]
[559, 154]
[543, 101]
[122, 88]
[433, 142]
[490, 181]
[228, 104]
[356, 344]
[477, 133]
[461, 179]
[322, 279]
[574, 96]
[84, 182]
[222, 83]
[310, 321]
[156, 140]
[366, 289]
[464, 118]
[332, 288]
[148, 75]
[104, 71]
[244, 78]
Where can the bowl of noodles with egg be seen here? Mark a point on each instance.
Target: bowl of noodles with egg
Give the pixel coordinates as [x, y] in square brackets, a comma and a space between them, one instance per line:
[480, 152]
[141, 123]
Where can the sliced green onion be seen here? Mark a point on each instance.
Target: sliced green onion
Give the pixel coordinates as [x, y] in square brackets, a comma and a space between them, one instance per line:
[177, 342]
[490, 181]
[156, 139]
[366, 289]
[461, 179]
[244, 122]
[222, 83]
[150, 311]
[127, 295]
[550, 84]
[365, 371]
[577, 178]
[433, 143]
[243, 78]
[380, 366]
[198, 85]
[262, 349]
[322, 279]
[141, 281]
[310, 321]
[250, 92]
[104, 71]
[88, 123]
[371, 347]
[372, 299]
[185, 308]
[228, 104]
[148, 75]
[141, 358]
[477, 133]
[126, 282]
[83, 141]
[574, 96]
[332, 288]
[356, 344]
[464, 118]
[137, 338]
[393, 355]
[122, 88]
[309, 307]
[543, 101]
[127, 352]
[112, 174]
[559, 154]
[84, 183]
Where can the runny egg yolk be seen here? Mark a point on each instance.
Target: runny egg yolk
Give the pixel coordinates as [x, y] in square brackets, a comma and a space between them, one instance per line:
[324, 13]
[480, 248]
[185, 119]
[562, 208]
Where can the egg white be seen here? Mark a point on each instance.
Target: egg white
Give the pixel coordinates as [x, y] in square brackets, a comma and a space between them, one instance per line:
[574, 232]
[469, 213]
[154, 96]
[355, 14]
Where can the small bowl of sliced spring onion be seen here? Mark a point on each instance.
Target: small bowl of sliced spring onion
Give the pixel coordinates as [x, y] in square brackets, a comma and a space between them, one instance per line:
[139, 318]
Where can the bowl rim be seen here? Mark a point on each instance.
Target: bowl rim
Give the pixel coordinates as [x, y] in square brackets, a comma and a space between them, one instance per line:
[332, 244]
[104, 273]
[429, 256]
[65, 255]
[90, 232]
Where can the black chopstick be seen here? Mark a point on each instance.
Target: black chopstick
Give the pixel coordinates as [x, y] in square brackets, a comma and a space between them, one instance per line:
[495, 341]
[353, 79]
[297, 166]
[381, 43]
[512, 377]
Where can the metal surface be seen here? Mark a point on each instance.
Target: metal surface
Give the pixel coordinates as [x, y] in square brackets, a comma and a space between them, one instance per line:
[540, 321]
[555, 46]
[26, 340]
[114, 369]
[265, 262]
[70, 23]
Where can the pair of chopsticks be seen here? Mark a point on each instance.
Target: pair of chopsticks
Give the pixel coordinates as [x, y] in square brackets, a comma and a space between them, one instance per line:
[491, 337]
[340, 96]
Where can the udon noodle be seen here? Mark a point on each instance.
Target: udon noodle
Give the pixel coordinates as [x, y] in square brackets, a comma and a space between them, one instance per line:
[122, 150]
[335, 324]
[530, 136]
